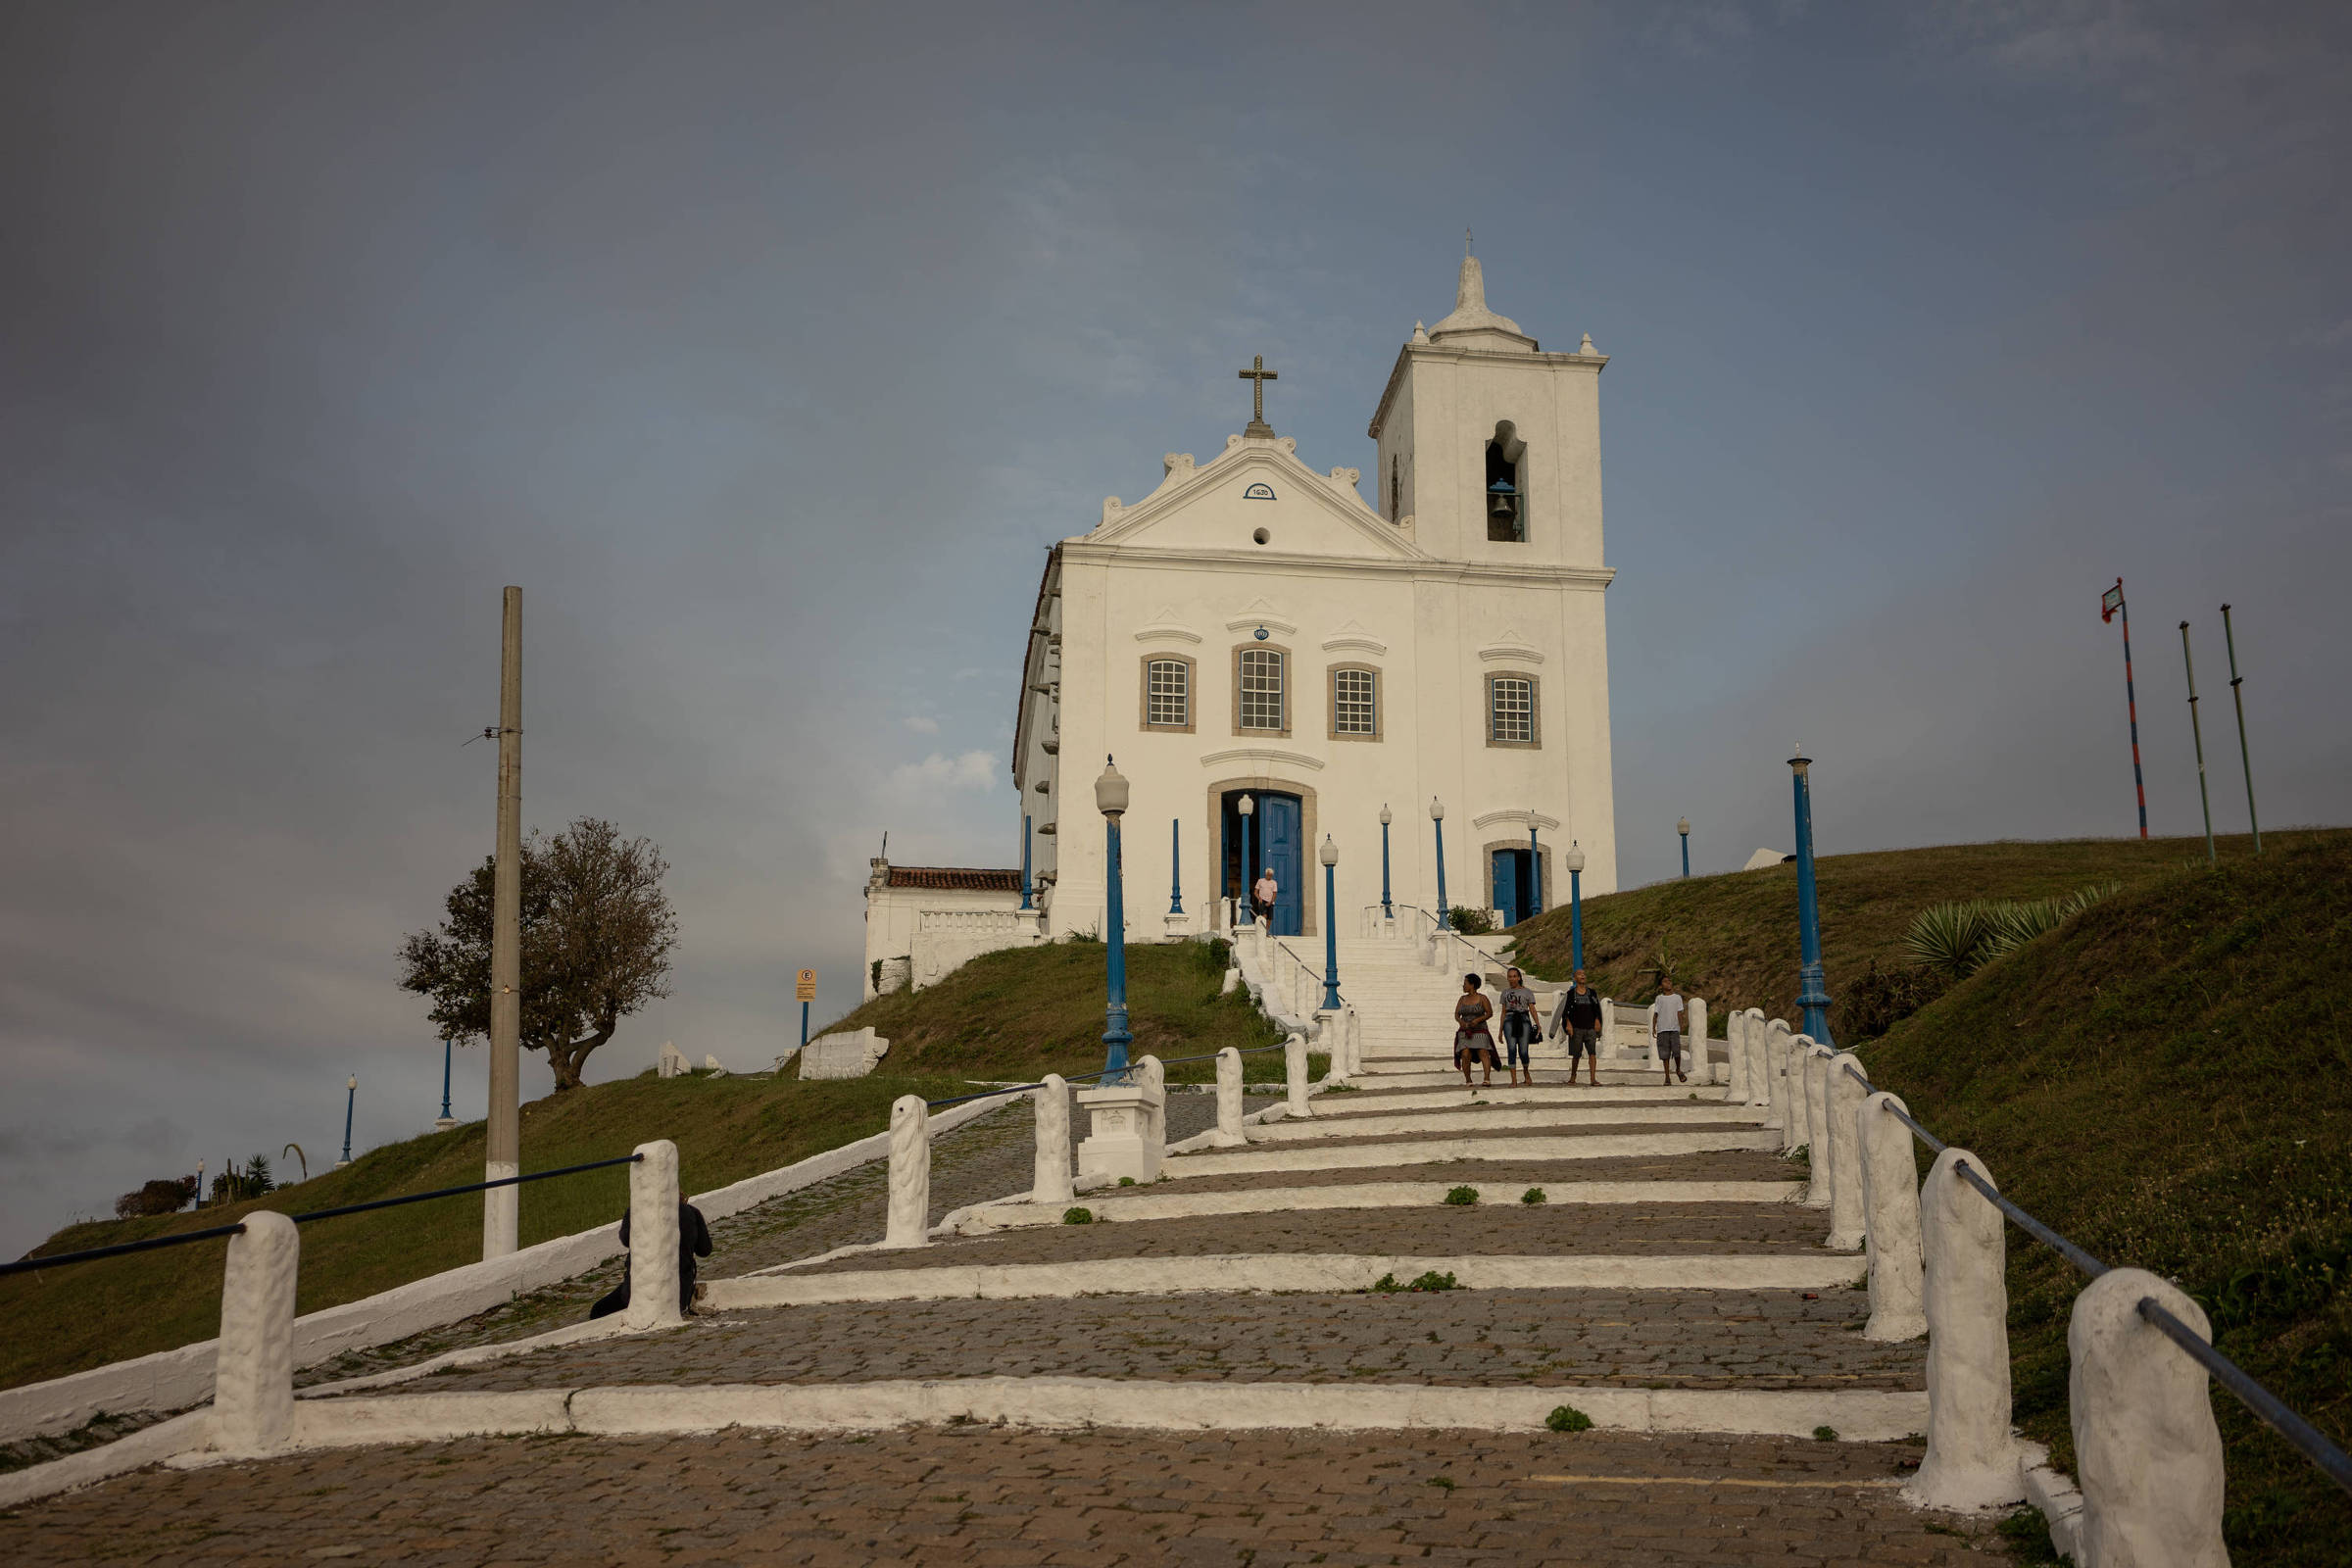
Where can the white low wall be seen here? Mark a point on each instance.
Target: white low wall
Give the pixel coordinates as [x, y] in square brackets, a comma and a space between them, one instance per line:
[172, 1379]
[852, 1053]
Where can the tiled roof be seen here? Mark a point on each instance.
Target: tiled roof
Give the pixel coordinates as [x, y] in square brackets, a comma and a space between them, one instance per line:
[954, 877]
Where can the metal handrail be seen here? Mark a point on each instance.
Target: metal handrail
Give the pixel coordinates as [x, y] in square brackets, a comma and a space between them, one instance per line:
[1015, 1088]
[29, 1264]
[2267, 1407]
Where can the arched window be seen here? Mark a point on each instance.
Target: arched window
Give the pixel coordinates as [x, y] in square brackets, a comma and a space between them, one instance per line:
[1167, 696]
[1506, 497]
[1513, 716]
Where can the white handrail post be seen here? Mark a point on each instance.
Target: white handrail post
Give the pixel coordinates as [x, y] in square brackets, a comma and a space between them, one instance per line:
[1890, 1221]
[910, 1173]
[1781, 1053]
[1972, 1460]
[1293, 1064]
[1695, 1041]
[1847, 1092]
[1813, 1117]
[1153, 1075]
[1735, 1029]
[653, 1287]
[1356, 1042]
[1229, 1097]
[1759, 1086]
[2147, 1449]
[253, 1371]
[1049, 1180]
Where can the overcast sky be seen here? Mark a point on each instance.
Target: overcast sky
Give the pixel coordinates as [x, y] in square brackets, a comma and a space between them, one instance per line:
[768, 347]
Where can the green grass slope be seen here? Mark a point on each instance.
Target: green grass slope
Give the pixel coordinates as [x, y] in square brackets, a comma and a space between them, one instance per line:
[2166, 1079]
[84, 1315]
[1734, 936]
[1030, 1010]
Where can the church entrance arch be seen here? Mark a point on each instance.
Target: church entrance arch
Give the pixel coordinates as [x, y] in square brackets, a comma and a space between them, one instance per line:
[1281, 822]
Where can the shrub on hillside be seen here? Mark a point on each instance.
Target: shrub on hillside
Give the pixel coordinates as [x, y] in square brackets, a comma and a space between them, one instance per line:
[1471, 922]
[1884, 998]
[167, 1196]
[1958, 938]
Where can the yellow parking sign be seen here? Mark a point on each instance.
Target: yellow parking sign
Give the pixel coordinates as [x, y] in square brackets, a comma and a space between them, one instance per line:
[805, 990]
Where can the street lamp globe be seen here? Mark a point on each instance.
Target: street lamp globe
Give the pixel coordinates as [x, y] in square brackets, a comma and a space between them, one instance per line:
[1328, 854]
[1111, 790]
[1246, 805]
[1385, 818]
[353, 1082]
[1436, 810]
[1574, 859]
[1683, 828]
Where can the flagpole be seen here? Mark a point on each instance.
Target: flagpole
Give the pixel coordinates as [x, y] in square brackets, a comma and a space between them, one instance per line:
[2130, 697]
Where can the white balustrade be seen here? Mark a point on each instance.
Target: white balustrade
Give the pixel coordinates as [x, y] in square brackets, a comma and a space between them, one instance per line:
[1846, 1091]
[1812, 1063]
[909, 1222]
[1049, 1177]
[2147, 1454]
[653, 1287]
[1293, 1064]
[1972, 1459]
[253, 1371]
[1229, 1098]
[1890, 1221]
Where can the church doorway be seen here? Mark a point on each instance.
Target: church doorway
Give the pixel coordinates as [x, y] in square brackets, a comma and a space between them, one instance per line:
[1514, 885]
[1275, 839]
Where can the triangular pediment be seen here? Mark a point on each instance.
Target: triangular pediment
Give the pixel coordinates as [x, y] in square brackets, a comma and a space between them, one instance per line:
[1255, 486]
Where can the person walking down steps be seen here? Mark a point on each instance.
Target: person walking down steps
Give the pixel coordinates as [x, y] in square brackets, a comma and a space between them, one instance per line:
[1579, 1019]
[1520, 1028]
[1666, 1027]
[693, 1241]
[1471, 1042]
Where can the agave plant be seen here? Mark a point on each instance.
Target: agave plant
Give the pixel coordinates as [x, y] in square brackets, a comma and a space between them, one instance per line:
[1950, 938]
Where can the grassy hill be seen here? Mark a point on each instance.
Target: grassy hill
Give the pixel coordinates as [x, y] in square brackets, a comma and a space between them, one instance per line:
[1027, 1011]
[1734, 936]
[2168, 1080]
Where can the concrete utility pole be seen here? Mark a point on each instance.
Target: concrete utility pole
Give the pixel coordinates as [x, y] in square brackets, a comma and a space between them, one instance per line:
[503, 1152]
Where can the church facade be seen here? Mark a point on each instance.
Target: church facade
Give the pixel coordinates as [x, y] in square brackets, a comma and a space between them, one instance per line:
[1255, 631]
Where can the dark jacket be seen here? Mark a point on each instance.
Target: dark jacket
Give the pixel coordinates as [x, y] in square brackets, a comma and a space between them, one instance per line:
[1576, 1011]
[693, 1241]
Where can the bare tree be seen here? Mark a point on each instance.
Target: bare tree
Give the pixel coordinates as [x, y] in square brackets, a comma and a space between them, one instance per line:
[597, 935]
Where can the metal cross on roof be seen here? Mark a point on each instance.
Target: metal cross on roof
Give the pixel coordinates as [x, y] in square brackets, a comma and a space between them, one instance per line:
[1260, 376]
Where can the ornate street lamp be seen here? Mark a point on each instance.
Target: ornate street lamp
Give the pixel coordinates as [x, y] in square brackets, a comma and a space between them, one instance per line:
[1247, 808]
[1535, 861]
[352, 1099]
[1814, 995]
[1437, 815]
[1175, 865]
[1330, 856]
[446, 1121]
[1684, 828]
[1388, 909]
[1110, 799]
[1025, 896]
[1574, 861]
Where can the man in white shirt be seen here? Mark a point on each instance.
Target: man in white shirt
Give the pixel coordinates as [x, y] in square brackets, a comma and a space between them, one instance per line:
[1261, 897]
[1666, 1027]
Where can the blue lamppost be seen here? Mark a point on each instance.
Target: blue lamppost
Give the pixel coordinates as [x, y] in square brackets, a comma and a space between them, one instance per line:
[1387, 908]
[1814, 997]
[1535, 858]
[1684, 828]
[1110, 799]
[1437, 815]
[1330, 856]
[1025, 903]
[1247, 808]
[1175, 865]
[1574, 859]
[446, 1121]
[352, 1099]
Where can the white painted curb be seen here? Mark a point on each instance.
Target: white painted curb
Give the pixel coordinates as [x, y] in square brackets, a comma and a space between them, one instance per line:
[1453, 1119]
[1259, 1160]
[982, 1218]
[1317, 1272]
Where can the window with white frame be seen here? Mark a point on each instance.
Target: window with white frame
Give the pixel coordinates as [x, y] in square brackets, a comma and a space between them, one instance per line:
[1354, 702]
[1510, 710]
[1261, 690]
[1168, 693]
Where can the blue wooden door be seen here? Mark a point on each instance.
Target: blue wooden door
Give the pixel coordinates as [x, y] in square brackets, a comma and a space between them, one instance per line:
[1506, 886]
[1278, 822]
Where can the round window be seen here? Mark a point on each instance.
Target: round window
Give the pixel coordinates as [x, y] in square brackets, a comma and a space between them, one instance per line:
[1261, 536]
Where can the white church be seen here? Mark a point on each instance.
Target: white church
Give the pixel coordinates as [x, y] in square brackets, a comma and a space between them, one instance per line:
[1274, 662]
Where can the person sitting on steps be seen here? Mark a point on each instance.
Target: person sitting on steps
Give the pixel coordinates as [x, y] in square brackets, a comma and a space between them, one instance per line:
[693, 1241]
[1471, 1041]
[1666, 1026]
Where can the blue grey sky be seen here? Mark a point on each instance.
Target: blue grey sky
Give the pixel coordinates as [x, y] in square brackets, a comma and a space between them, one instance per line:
[767, 347]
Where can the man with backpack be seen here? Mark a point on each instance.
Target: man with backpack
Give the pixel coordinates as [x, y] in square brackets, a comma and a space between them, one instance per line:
[1578, 1016]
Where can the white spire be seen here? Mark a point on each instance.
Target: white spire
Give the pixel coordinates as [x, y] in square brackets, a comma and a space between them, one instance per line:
[1471, 314]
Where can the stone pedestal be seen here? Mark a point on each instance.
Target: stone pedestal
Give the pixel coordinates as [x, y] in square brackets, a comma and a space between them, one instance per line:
[1121, 1142]
[1177, 926]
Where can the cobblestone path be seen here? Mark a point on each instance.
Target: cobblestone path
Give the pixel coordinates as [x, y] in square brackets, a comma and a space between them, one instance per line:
[1156, 1480]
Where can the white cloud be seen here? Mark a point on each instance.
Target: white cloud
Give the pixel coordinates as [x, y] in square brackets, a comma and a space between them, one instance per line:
[920, 724]
[967, 770]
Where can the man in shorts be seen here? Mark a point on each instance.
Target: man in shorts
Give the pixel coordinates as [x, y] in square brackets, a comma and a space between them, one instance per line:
[1520, 1029]
[1579, 1019]
[1666, 1026]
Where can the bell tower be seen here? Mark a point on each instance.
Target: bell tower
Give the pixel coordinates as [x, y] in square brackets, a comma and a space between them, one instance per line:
[1489, 445]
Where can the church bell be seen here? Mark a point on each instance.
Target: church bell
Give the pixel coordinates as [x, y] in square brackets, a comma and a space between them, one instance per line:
[1501, 499]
